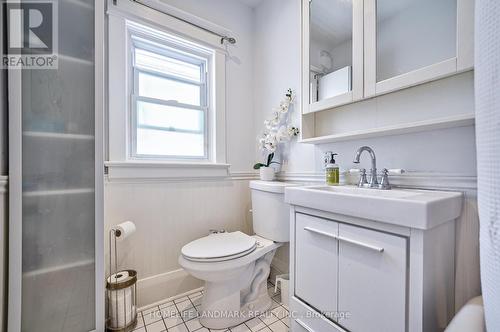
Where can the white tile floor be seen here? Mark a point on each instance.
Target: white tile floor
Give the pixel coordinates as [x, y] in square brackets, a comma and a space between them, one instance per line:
[180, 315]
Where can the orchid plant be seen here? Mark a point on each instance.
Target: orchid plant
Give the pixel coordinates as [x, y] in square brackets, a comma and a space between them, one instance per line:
[277, 130]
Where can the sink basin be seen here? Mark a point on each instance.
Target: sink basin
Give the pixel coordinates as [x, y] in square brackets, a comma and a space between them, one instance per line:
[366, 192]
[421, 209]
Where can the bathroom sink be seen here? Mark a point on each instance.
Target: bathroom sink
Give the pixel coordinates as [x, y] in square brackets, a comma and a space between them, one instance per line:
[422, 209]
[351, 190]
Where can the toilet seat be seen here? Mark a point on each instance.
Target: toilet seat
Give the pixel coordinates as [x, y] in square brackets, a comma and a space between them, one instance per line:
[223, 266]
[219, 247]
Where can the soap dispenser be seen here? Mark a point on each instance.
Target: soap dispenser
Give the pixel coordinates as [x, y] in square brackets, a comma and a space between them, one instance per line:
[331, 169]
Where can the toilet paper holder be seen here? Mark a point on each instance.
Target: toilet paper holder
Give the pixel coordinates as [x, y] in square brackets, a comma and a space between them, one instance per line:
[121, 289]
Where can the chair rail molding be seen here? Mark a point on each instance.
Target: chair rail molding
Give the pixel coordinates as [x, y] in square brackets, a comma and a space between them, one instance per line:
[411, 179]
[147, 172]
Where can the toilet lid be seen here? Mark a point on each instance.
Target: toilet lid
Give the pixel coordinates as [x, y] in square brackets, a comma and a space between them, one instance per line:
[219, 246]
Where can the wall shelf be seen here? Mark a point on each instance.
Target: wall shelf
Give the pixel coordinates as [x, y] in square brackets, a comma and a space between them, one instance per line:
[440, 123]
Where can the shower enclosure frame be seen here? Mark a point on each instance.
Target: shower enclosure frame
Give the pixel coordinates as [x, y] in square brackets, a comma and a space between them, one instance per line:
[15, 94]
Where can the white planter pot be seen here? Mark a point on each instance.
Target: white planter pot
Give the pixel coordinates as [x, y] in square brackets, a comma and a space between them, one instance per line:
[267, 173]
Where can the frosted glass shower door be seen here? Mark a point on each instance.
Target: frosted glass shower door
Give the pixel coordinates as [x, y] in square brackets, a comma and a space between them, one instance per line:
[56, 168]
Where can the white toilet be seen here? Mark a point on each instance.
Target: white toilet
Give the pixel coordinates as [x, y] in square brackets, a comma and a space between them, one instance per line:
[235, 266]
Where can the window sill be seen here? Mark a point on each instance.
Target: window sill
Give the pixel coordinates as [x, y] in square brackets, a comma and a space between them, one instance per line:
[160, 170]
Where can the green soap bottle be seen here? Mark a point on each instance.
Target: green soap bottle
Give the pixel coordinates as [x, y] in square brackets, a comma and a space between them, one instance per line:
[331, 169]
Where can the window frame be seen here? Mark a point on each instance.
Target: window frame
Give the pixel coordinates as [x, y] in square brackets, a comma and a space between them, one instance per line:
[172, 47]
[123, 16]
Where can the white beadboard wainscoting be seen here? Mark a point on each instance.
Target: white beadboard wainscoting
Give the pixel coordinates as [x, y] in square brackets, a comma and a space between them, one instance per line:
[169, 214]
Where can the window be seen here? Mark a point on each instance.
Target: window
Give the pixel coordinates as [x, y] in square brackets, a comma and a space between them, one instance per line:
[166, 97]
[170, 99]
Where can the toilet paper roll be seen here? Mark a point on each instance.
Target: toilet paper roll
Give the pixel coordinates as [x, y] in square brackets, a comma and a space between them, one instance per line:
[124, 230]
[118, 277]
[121, 307]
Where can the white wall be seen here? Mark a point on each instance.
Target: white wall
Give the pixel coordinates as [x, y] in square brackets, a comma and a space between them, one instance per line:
[262, 65]
[239, 72]
[449, 153]
[170, 214]
[277, 68]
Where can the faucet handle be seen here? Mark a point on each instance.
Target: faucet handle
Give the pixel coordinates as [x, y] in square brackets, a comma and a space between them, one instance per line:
[384, 181]
[394, 171]
[362, 178]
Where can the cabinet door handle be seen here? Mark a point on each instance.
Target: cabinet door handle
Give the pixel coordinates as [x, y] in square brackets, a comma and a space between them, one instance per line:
[360, 244]
[317, 231]
[303, 325]
[344, 239]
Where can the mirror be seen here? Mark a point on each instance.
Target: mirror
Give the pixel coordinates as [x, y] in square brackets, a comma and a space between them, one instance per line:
[330, 48]
[413, 34]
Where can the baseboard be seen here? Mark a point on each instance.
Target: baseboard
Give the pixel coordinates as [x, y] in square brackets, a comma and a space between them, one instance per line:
[163, 286]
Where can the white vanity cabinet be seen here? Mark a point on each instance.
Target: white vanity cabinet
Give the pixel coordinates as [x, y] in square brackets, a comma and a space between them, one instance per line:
[358, 49]
[354, 274]
[316, 262]
[372, 279]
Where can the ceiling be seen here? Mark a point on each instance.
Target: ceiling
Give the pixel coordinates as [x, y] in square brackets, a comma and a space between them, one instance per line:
[251, 3]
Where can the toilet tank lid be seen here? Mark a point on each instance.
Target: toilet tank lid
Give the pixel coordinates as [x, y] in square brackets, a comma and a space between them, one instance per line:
[271, 186]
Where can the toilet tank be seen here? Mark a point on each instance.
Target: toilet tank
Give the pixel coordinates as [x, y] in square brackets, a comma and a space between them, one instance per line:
[271, 215]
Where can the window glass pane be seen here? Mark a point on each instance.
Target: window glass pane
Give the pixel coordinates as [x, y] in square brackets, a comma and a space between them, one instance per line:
[161, 88]
[161, 116]
[168, 65]
[151, 142]
[163, 75]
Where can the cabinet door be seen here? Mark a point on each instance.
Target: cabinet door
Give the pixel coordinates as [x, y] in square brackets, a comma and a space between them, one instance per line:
[372, 280]
[332, 55]
[316, 260]
[414, 41]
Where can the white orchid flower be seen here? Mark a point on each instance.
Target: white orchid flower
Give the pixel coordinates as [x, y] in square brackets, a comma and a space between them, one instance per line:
[268, 124]
[284, 105]
[283, 134]
[276, 129]
[271, 142]
[293, 131]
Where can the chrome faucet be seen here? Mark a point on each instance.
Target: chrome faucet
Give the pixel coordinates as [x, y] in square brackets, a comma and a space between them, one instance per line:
[373, 183]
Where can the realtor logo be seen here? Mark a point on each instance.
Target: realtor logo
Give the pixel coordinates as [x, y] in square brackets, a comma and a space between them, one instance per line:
[31, 35]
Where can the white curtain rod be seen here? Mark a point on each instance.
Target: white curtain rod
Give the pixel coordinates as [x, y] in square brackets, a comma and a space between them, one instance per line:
[223, 37]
